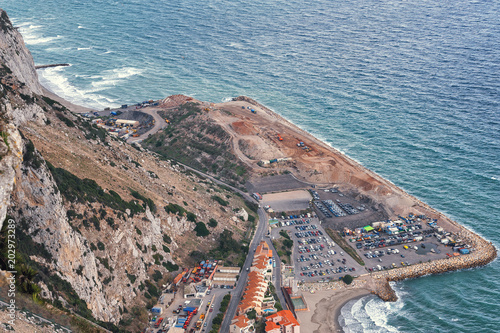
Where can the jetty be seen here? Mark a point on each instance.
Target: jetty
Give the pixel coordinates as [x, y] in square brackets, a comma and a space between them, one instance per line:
[50, 65]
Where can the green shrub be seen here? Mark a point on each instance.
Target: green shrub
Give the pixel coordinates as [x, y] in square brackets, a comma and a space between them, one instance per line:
[171, 267]
[167, 239]
[131, 277]
[347, 279]
[75, 189]
[191, 217]
[150, 203]
[212, 223]
[201, 230]
[221, 201]
[174, 209]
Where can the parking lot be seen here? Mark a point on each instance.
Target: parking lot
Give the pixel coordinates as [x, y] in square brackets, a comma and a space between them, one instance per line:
[418, 242]
[338, 210]
[315, 256]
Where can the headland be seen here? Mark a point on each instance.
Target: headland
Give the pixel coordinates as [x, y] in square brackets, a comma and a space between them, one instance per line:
[280, 157]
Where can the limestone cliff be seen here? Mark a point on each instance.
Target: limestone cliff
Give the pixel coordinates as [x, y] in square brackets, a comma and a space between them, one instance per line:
[103, 222]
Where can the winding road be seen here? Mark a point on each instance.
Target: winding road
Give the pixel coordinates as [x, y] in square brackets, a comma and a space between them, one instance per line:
[237, 292]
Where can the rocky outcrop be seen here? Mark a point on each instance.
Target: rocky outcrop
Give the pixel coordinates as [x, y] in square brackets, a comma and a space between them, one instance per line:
[39, 209]
[9, 162]
[15, 55]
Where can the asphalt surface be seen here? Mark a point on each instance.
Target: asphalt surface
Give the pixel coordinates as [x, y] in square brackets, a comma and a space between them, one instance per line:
[277, 183]
[238, 290]
[277, 274]
[159, 124]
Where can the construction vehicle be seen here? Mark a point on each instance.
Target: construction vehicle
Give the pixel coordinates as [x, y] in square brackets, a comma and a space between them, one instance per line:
[280, 138]
[167, 121]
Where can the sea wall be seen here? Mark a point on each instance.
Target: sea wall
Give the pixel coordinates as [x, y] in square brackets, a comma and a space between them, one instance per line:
[483, 252]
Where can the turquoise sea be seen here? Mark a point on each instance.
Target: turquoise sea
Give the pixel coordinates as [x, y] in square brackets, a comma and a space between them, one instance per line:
[410, 89]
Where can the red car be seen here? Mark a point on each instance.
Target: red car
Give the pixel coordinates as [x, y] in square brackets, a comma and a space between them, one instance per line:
[158, 322]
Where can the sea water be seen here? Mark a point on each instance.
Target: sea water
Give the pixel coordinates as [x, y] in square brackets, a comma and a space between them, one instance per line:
[410, 89]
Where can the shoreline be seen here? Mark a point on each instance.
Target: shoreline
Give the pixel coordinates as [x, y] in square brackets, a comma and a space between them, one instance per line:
[325, 306]
[335, 295]
[338, 309]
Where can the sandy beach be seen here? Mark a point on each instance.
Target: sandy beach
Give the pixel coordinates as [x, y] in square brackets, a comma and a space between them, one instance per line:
[325, 307]
[73, 107]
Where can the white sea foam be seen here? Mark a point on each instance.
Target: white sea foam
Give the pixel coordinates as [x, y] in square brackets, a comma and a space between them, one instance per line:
[236, 45]
[227, 99]
[84, 48]
[57, 81]
[32, 34]
[110, 78]
[370, 314]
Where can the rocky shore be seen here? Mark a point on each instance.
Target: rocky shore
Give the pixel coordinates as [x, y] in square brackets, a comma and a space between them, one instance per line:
[483, 252]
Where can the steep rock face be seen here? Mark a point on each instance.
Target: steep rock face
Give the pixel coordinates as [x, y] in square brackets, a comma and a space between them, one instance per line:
[38, 205]
[87, 246]
[18, 88]
[15, 55]
[9, 162]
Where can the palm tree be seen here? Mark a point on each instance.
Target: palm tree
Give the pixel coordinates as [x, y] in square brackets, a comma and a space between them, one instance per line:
[24, 281]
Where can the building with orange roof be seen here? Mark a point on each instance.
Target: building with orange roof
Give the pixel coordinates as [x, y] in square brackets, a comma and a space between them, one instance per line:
[254, 295]
[285, 320]
[272, 327]
[240, 324]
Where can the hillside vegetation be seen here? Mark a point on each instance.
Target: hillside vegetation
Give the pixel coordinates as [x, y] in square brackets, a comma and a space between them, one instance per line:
[194, 139]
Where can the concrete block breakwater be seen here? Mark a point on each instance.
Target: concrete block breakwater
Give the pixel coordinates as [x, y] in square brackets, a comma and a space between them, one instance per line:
[483, 253]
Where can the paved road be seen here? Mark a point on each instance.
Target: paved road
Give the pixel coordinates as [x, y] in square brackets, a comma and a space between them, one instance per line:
[159, 124]
[46, 322]
[242, 281]
[237, 292]
[277, 275]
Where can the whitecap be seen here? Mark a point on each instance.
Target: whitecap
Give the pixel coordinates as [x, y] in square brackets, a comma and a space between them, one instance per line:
[31, 37]
[56, 80]
[83, 48]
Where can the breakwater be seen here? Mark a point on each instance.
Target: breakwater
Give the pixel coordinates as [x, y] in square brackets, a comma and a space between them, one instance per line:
[483, 252]
[51, 65]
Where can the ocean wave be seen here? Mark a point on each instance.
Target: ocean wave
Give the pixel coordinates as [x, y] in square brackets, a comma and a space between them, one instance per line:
[55, 80]
[32, 35]
[111, 77]
[371, 314]
[226, 99]
[84, 48]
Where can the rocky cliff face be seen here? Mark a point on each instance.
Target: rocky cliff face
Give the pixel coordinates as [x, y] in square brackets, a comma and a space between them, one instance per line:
[104, 223]
[15, 55]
